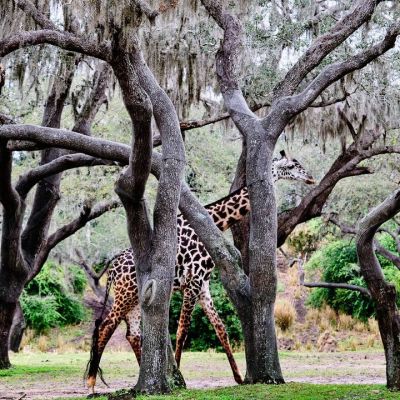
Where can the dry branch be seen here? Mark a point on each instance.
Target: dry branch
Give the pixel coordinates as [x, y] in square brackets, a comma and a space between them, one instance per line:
[330, 285]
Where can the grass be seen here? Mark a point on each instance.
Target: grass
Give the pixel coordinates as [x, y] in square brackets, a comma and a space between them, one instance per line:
[290, 391]
[61, 374]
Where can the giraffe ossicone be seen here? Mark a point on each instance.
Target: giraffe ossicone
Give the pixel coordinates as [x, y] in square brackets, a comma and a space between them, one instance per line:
[192, 277]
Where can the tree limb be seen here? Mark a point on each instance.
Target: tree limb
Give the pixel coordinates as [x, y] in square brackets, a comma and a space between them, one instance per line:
[146, 9]
[347, 229]
[29, 8]
[93, 278]
[8, 196]
[88, 213]
[64, 40]
[98, 96]
[324, 45]
[334, 72]
[346, 165]
[227, 68]
[330, 285]
[60, 164]
[67, 139]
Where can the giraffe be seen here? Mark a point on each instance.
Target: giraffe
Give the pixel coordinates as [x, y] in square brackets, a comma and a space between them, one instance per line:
[192, 277]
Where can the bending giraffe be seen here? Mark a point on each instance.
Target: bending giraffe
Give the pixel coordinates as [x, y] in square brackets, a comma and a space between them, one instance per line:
[192, 277]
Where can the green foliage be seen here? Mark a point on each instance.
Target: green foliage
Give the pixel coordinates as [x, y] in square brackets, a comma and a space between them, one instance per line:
[201, 334]
[54, 297]
[40, 311]
[338, 262]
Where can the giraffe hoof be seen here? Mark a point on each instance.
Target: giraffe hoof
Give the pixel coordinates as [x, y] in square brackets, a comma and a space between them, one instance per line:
[239, 380]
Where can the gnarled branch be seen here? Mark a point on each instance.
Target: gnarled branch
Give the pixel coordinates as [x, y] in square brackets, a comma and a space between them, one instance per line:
[88, 213]
[60, 164]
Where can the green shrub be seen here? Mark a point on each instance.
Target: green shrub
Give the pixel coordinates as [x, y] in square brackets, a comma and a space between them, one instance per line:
[338, 263]
[54, 297]
[201, 334]
[40, 312]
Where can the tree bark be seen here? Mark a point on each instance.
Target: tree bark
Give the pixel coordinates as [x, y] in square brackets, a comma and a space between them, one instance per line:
[6, 318]
[383, 293]
[23, 253]
[17, 329]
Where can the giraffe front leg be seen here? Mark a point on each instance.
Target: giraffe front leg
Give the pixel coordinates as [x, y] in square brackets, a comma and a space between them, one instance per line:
[189, 301]
[211, 313]
[100, 339]
[132, 320]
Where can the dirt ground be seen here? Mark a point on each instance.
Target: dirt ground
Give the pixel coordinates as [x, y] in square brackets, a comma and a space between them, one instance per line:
[50, 376]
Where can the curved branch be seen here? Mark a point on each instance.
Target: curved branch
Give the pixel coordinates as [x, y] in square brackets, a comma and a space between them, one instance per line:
[69, 140]
[324, 45]
[88, 214]
[334, 72]
[60, 164]
[346, 165]
[64, 40]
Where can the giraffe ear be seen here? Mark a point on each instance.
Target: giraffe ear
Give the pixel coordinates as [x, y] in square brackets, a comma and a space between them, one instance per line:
[282, 153]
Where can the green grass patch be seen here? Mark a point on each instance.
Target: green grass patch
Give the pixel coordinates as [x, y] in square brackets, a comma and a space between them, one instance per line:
[290, 391]
[24, 370]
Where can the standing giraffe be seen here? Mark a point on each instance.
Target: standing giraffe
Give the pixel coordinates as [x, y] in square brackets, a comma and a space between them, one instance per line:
[192, 277]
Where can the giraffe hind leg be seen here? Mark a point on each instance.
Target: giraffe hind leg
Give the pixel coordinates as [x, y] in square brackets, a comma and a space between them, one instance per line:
[189, 301]
[133, 336]
[211, 313]
[101, 336]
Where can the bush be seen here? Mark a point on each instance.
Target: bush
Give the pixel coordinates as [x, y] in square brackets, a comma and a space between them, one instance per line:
[285, 315]
[201, 334]
[338, 262]
[54, 297]
[40, 312]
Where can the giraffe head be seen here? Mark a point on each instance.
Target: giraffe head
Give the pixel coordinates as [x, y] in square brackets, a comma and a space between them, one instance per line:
[289, 168]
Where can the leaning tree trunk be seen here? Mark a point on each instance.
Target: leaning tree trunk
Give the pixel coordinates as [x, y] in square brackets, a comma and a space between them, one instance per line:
[383, 293]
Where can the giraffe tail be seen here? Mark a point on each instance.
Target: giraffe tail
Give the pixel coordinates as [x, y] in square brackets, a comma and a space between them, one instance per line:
[93, 365]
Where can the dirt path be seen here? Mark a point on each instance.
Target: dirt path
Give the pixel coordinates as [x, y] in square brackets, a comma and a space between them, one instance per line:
[52, 376]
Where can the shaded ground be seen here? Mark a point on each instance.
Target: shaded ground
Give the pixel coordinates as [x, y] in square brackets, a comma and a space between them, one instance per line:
[50, 376]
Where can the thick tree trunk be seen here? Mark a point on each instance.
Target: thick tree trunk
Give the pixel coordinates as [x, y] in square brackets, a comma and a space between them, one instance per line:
[261, 347]
[154, 362]
[154, 249]
[389, 328]
[17, 329]
[383, 293]
[7, 310]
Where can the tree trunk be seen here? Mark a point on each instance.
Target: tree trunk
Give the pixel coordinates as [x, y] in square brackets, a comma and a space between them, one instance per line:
[154, 362]
[389, 328]
[383, 293]
[261, 347]
[17, 329]
[6, 318]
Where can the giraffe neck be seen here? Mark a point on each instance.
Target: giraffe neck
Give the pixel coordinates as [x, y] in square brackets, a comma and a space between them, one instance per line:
[232, 208]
